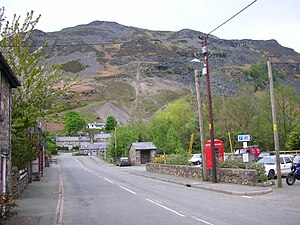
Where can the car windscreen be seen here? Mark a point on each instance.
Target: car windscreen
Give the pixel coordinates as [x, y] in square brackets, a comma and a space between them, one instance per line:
[267, 160]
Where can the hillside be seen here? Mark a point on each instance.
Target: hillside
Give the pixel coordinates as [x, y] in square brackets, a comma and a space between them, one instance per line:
[131, 72]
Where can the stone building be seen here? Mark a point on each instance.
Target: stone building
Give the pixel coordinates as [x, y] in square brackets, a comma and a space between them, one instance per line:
[142, 152]
[70, 142]
[93, 148]
[8, 80]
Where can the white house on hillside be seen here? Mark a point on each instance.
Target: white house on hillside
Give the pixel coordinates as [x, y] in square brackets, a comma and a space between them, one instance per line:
[96, 125]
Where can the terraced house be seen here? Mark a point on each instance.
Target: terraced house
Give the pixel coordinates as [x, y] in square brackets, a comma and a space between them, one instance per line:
[8, 80]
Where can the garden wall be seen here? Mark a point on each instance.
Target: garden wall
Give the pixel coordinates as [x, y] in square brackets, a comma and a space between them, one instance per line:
[224, 175]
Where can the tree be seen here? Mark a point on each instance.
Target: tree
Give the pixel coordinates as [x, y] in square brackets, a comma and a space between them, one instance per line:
[111, 123]
[41, 84]
[125, 135]
[293, 139]
[73, 123]
[164, 136]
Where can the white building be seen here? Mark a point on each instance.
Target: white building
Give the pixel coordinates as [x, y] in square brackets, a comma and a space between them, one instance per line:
[96, 125]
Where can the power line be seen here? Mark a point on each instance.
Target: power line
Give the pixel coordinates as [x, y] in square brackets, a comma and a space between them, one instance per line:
[232, 17]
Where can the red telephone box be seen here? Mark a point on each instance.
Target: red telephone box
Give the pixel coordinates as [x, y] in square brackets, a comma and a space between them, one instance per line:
[219, 152]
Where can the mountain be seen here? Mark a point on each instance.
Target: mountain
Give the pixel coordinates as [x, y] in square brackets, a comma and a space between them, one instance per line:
[127, 71]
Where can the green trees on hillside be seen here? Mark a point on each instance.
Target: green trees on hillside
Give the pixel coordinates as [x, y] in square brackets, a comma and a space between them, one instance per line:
[243, 113]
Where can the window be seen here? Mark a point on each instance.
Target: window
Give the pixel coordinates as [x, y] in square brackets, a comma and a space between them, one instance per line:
[288, 160]
[281, 161]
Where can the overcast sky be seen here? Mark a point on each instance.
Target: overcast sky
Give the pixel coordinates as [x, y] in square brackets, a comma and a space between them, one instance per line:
[265, 19]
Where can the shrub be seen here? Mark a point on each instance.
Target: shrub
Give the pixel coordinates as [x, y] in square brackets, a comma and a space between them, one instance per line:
[177, 159]
[54, 152]
[7, 204]
[261, 176]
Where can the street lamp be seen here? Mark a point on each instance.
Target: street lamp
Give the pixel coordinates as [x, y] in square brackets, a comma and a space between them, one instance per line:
[200, 114]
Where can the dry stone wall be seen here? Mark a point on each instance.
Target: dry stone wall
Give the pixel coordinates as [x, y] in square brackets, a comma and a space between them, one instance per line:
[225, 175]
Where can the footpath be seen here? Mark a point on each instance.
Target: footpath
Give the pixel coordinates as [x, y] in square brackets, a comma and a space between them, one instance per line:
[40, 202]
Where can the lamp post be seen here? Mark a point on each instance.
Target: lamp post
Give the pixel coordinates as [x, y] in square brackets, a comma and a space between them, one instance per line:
[205, 71]
[200, 114]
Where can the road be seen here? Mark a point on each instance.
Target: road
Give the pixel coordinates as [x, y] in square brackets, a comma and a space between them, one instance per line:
[98, 193]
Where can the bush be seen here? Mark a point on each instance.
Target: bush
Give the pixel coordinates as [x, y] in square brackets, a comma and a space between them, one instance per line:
[63, 148]
[54, 152]
[7, 203]
[177, 159]
[261, 176]
[232, 164]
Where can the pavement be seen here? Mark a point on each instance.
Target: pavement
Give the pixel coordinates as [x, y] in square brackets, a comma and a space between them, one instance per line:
[41, 201]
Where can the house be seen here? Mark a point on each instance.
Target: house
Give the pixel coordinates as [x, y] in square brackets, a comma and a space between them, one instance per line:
[8, 80]
[96, 125]
[142, 152]
[70, 142]
[102, 137]
[93, 148]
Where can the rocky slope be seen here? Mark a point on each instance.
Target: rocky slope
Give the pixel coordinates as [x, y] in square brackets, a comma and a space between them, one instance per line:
[127, 71]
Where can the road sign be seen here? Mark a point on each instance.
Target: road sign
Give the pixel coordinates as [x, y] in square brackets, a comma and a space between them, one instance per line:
[245, 137]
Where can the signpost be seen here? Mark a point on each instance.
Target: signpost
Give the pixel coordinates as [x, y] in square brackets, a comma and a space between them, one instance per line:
[245, 137]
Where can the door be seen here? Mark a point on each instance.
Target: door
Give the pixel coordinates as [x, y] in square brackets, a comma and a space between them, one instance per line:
[287, 165]
[3, 174]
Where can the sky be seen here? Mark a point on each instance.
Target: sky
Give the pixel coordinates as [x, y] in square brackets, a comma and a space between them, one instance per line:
[263, 20]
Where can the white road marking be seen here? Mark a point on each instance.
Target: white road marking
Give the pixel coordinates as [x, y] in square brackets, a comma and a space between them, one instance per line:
[108, 180]
[171, 210]
[132, 192]
[198, 219]
[245, 196]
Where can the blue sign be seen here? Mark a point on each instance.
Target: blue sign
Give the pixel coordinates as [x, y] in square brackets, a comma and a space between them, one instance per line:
[245, 137]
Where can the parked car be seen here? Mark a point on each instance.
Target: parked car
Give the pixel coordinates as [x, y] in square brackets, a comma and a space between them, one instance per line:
[254, 149]
[263, 154]
[123, 161]
[269, 163]
[196, 159]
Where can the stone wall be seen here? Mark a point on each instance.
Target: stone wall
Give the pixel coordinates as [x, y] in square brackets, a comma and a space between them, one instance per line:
[20, 181]
[225, 175]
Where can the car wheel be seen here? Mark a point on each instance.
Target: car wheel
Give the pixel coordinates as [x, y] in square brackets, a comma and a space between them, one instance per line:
[290, 179]
[198, 162]
[271, 175]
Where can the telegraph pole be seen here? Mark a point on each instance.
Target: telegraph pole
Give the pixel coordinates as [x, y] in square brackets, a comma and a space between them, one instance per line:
[199, 103]
[211, 122]
[274, 124]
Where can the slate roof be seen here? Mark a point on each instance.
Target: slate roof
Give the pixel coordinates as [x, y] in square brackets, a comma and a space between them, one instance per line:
[13, 80]
[93, 146]
[102, 136]
[62, 139]
[144, 146]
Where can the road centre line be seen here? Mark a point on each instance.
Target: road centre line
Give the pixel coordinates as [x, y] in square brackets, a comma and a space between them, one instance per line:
[198, 219]
[160, 205]
[132, 192]
[108, 180]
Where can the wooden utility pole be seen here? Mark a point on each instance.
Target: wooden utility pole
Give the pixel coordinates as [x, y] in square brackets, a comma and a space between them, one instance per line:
[274, 125]
[199, 103]
[211, 121]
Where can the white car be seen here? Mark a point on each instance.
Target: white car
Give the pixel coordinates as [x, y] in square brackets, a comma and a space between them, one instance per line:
[196, 159]
[269, 163]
